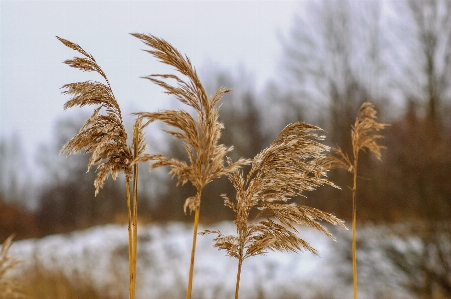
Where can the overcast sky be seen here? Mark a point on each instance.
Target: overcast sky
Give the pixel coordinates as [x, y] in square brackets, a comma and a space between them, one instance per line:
[214, 34]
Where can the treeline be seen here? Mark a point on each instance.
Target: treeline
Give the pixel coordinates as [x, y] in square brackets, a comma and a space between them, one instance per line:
[338, 55]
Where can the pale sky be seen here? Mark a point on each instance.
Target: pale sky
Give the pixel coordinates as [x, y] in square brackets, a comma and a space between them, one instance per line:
[213, 34]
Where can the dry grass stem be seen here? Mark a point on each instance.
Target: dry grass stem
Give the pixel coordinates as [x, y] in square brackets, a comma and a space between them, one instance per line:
[200, 138]
[104, 135]
[9, 288]
[364, 137]
[292, 164]
[139, 147]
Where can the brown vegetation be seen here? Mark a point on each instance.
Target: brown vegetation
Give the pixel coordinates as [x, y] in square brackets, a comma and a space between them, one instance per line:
[292, 164]
[200, 139]
[105, 137]
[364, 137]
[9, 288]
[411, 184]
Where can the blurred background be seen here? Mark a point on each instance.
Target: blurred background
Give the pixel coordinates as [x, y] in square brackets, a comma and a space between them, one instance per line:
[286, 61]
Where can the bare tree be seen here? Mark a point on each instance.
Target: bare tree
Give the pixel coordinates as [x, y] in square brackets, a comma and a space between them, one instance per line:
[334, 57]
[427, 71]
[418, 141]
[422, 258]
[15, 181]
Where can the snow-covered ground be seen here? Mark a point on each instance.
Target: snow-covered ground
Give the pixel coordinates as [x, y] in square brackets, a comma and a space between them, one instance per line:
[101, 255]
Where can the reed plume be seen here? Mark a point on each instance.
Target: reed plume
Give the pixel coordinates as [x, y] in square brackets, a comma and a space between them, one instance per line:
[102, 135]
[200, 138]
[364, 137]
[105, 137]
[292, 164]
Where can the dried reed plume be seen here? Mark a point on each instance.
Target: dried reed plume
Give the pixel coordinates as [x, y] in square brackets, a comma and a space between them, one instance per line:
[9, 289]
[200, 138]
[364, 137]
[102, 135]
[292, 164]
[105, 137]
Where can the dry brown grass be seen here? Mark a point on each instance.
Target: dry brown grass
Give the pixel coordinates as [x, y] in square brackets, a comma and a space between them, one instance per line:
[9, 288]
[41, 279]
[292, 164]
[364, 137]
[104, 136]
[54, 284]
[200, 138]
[295, 162]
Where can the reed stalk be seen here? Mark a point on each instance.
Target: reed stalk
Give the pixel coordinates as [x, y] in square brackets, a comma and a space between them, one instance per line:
[135, 209]
[364, 137]
[130, 239]
[354, 228]
[200, 137]
[238, 274]
[104, 135]
[292, 164]
[193, 254]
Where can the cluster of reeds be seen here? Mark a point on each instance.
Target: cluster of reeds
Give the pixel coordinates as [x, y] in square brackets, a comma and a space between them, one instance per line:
[295, 162]
[200, 138]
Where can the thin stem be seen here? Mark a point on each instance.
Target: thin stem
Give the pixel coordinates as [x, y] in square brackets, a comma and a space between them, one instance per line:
[130, 238]
[238, 276]
[135, 209]
[193, 252]
[354, 223]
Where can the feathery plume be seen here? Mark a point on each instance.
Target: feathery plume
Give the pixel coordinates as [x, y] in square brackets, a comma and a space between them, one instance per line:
[200, 138]
[102, 135]
[105, 137]
[364, 137]
[292, 164]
